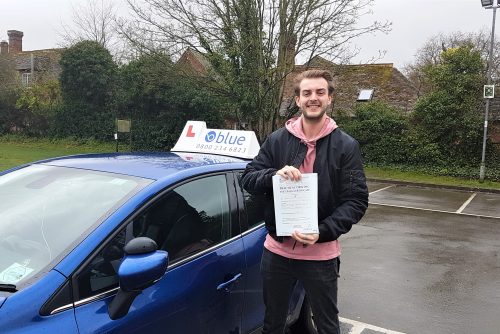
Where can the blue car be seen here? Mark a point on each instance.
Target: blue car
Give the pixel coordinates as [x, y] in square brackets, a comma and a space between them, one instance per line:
[133, 243]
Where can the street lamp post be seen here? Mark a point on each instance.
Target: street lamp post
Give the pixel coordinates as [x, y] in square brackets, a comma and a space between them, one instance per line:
[488, 4]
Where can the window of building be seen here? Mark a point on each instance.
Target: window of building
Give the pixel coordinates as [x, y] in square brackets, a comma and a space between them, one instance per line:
[365, 95]
[26, 78]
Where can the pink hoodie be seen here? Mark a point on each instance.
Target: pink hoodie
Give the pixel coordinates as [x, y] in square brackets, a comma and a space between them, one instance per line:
[289, 248]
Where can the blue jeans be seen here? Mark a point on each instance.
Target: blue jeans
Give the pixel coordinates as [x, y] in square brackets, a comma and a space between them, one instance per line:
[319, 279]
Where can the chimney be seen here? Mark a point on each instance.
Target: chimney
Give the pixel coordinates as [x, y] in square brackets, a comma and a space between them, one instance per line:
[15, 41]
[4, 47]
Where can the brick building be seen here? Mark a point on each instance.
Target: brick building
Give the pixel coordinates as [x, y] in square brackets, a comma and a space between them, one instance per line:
[375, 82]
[359, 84]
[193, 62]
[33, 65]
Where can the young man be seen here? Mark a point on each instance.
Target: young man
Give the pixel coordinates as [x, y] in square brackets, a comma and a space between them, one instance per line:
[311, 143]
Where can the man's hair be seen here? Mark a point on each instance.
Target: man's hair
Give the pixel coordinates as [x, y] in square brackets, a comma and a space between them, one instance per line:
[314, 74]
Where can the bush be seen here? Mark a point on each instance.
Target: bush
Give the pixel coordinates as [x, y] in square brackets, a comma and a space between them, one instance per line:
[387, 139]
[88, 86]
[88, 73]
[79, 120]
[37, 105]
[449, 115]
[159, 101]
[381, 131]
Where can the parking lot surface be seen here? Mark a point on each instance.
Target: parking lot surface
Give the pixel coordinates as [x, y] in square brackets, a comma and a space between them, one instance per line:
[423, 260]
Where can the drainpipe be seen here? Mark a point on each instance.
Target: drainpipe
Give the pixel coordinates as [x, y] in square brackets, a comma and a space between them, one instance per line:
[32, 67]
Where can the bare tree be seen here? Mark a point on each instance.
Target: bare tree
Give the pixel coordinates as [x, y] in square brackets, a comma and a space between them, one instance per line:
[94, 20]
[430, 54]
[251, 44]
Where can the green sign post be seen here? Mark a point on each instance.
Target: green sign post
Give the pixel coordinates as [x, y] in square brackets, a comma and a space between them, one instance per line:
[489, 91]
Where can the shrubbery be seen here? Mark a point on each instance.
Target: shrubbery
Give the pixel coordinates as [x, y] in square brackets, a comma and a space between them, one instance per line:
[381, 131]
[390, 139]
[159, 101]
[450, 115]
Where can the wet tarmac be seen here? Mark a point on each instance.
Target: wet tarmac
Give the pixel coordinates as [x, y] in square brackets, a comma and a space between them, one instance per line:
[424, 260]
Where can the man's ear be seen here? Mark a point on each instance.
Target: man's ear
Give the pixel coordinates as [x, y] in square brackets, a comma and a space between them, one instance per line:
[297, 98]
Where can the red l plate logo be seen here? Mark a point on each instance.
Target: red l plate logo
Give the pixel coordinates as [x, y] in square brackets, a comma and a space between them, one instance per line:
[190, 132]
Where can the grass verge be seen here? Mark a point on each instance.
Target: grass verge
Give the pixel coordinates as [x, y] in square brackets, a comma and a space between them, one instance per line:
[385, 173]
[16, 150]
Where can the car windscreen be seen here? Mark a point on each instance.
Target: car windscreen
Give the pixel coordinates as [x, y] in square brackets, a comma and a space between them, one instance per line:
[45, 209]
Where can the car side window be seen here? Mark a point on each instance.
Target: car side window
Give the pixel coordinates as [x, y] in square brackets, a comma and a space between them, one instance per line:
[254, 207]
[188, 219]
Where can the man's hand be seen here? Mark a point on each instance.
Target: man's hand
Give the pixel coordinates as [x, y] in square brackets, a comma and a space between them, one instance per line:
[289, 172]
[308, 239]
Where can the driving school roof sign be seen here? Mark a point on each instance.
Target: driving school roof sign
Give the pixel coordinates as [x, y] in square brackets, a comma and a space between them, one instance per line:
[197, 138]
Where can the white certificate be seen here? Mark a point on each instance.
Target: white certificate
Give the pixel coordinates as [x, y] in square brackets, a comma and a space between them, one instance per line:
[296, 204]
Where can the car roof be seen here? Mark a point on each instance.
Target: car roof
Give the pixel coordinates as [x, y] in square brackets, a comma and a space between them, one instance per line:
[147, 165]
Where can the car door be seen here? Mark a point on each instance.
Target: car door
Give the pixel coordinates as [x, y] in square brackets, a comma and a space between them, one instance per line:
[202, 290]
[251, 213]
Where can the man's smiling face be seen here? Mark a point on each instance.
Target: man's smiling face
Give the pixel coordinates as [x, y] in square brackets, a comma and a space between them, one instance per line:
[313, 100]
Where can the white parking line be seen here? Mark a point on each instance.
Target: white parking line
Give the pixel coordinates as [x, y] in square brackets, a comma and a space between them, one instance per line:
[376, 191]
[466, 203]
[358, 327]
[433, 210]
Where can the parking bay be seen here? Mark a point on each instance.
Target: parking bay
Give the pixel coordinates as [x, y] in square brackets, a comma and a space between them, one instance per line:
[424, 260]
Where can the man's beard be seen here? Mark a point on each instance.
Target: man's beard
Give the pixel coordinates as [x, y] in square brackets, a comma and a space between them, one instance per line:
[314, 117]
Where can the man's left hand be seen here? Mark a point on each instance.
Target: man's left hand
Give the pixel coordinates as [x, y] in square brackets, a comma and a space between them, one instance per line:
[308, 239]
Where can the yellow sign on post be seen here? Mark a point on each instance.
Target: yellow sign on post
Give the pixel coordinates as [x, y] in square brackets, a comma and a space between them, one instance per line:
[123, 125]
[489, 91]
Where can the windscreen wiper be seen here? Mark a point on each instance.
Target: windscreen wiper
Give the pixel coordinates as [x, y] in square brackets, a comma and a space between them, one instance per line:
[8, 287]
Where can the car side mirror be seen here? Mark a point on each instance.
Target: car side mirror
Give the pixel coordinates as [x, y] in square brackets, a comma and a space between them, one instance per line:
[142, 266]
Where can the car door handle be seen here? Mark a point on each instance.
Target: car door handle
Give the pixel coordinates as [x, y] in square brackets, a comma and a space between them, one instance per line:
[225, 286]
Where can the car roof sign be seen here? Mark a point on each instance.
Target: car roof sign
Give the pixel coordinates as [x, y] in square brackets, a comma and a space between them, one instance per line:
[236, 143]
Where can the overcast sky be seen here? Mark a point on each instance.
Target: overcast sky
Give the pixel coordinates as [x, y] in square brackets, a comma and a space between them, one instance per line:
[414, 22]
